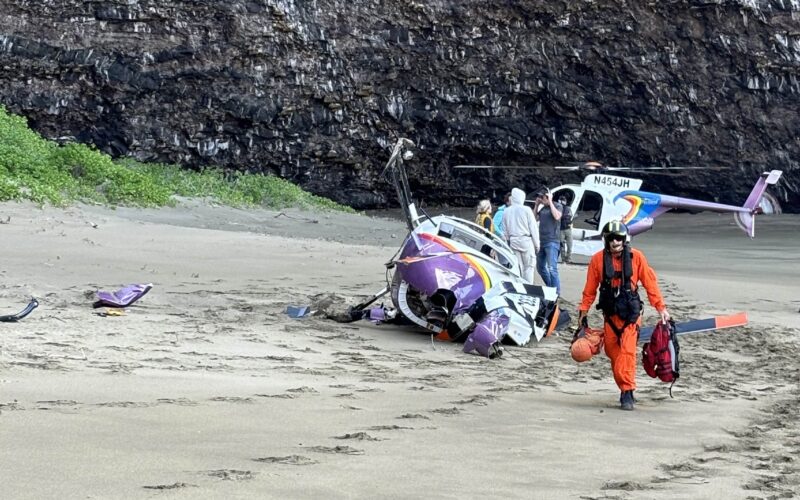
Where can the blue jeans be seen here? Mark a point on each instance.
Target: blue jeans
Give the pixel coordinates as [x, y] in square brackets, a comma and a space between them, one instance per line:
[547, 263]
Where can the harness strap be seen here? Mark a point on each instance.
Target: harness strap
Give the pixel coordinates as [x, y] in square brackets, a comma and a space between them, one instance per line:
[619, 331]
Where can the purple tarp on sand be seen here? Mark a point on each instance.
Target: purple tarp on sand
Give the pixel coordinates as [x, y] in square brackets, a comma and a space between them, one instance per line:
[123, 297]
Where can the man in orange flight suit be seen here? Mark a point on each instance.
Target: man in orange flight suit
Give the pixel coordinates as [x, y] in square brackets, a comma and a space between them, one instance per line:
[620, 303]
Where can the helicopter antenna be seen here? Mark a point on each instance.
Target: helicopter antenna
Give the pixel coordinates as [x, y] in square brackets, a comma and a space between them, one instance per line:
[427, 216]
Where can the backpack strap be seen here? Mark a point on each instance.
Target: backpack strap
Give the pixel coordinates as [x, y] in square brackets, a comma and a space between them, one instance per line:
[675, 355]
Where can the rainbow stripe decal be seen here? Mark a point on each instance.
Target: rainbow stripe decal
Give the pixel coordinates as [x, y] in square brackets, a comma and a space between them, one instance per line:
[636, 205]
[643, 205]
[473, 263]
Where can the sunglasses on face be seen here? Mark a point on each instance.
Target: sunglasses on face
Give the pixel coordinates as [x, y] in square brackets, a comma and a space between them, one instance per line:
[616, 237]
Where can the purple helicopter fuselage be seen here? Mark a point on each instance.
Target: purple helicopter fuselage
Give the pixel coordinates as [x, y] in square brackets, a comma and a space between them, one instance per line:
[436, 264]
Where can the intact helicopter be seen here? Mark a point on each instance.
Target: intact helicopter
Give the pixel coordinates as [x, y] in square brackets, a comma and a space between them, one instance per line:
[603, 197]
[458, 281]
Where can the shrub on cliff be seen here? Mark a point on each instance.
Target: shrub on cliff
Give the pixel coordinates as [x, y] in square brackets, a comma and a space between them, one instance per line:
[36, 169]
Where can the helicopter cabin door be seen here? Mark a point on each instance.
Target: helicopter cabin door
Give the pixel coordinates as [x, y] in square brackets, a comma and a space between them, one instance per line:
[588, 207]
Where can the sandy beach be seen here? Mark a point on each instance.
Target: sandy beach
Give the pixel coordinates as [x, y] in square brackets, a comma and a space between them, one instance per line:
[205, 388]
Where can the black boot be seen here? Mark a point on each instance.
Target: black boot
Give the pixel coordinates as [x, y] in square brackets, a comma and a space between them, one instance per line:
[626, 400]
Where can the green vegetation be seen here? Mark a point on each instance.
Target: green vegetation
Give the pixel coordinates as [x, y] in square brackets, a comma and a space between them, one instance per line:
[33, 168]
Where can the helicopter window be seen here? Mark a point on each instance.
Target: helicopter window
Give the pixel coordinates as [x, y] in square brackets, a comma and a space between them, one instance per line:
[589, 211]
[466, 238]
[566, 194]
[445, 230]
[489, 248]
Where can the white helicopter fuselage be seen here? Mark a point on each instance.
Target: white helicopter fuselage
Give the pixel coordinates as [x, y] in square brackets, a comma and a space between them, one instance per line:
[594, 202]
[601, 198]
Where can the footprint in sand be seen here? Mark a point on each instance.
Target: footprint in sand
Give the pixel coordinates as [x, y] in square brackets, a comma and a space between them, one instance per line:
[414, 415]
[303, 389]
[681, 468]
[231, 399]
[288, 460]
[124, 404]
[173, 486]
[279, 396]
[360, 436]
[177, 401]
[390, 427]
[623, 485]
[339, 450]
[231, 474]
[447, 411]
[479, 400]
[713, 458]
[46, 405]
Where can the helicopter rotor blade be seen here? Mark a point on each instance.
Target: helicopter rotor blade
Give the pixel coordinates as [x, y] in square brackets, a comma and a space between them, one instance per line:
[524, 167]
[593, 166]
[512, 167]
[661, 169]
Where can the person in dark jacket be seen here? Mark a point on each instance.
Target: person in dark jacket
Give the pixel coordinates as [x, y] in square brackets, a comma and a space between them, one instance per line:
[548, 214]
[566, 230]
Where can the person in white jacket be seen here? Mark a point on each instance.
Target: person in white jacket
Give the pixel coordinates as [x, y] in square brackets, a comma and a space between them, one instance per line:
[521, 231]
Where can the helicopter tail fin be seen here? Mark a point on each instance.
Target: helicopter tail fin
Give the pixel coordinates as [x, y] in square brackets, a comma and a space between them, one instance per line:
[746, 219]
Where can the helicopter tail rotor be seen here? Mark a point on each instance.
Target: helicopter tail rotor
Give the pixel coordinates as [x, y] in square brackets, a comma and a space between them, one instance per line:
[759, 201]
[766, 179]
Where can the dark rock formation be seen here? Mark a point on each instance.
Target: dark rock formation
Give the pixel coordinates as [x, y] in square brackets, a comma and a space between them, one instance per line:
[316, 90]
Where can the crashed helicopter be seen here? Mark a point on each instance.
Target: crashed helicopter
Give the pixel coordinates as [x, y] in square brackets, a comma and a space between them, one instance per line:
[603, 197]
[459, 281]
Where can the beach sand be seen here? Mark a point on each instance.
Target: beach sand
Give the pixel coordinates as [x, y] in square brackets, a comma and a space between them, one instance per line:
[205, 388]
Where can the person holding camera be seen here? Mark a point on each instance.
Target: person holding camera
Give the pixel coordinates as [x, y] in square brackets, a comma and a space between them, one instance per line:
[548, 214]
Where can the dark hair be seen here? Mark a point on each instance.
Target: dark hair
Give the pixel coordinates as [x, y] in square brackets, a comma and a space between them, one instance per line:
[542, 191]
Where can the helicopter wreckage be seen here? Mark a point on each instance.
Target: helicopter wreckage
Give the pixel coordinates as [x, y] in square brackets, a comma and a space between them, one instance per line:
[458, 281]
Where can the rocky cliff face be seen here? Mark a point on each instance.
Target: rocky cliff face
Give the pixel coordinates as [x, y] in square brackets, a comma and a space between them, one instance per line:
[317, 90]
